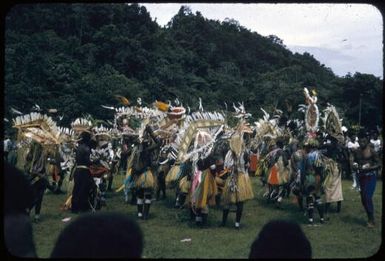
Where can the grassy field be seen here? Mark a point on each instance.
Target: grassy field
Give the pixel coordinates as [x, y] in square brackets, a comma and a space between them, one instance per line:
[342, 237]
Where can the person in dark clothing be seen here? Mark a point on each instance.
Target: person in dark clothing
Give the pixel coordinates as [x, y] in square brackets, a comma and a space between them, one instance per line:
[83, 181]
[281, 239]
[100, 235]
[36, 168]
[142, 172]
[313, 181]
[124, 155]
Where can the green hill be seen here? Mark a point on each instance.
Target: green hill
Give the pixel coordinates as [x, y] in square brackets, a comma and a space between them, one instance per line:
[75, 57]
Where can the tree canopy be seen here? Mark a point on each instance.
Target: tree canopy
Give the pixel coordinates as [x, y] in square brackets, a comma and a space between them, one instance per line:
[75, 57]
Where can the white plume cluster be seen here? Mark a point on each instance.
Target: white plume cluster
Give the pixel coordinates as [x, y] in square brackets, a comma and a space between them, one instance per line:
[102, 130]
[38, 126]
[81, 122]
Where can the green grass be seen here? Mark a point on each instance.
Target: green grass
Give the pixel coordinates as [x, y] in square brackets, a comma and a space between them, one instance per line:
[344, 236]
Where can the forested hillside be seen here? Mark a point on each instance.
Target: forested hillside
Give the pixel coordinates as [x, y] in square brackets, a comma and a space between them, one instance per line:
[76, 57]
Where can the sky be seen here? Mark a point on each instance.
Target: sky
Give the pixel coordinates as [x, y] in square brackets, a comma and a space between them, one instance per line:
[347, 38]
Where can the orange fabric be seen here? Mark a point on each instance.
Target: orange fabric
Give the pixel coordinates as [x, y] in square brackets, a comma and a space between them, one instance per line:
[273, 177]
[253, 162]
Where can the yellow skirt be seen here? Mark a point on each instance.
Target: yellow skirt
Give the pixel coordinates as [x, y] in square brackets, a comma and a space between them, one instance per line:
[332, 184]
[261, 168]
[172, 176]
[145, 180]
[243, 192]
[220, 184]
[184, 185]
[205, 193]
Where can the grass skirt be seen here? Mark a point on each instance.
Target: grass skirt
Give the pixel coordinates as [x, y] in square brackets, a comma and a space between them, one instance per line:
[332, 184]
[220, 184]
[145, 180]
[205, 192]
[173, 176]
[261, 168]
[243, 191]
[184, 185]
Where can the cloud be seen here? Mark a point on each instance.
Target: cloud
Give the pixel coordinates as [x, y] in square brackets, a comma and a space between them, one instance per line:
[325, 54]
[343, 61]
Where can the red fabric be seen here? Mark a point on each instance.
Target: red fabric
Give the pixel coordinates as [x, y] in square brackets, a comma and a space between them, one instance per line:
[98, 171]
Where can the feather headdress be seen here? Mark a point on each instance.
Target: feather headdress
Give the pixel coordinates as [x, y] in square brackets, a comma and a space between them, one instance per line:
[333, 123]
[240, 111]
[162, 106]
[67, 134]
[102, 131]
[81, 124]
[211, 122]
[39, 127]
[138, 112]
[152, 116]
[311, 113]
[266, 127]
[123, 100]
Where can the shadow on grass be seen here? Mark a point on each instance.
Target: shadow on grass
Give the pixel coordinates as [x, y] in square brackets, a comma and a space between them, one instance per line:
[349, 219]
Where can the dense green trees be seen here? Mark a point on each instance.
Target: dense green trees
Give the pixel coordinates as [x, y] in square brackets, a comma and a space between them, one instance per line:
[75, 57]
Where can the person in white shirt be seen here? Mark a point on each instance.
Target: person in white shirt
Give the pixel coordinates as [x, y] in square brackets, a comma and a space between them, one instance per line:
[375, 140]
[352, 146]
[7, 147]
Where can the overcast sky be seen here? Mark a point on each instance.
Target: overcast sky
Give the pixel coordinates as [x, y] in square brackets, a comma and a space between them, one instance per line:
[345, 37]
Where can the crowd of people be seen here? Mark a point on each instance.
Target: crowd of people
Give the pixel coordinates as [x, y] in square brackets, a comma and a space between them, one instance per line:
[198, 155]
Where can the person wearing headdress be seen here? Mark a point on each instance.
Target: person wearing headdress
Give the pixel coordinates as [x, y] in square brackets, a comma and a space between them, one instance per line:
[335, 157]
[141, 170]
[237, 187]
[313, 180]
[298, 169]
[36, 161]
[335, 154]
[101, 162]
[83, 181]
[203, 186]
[278, 171]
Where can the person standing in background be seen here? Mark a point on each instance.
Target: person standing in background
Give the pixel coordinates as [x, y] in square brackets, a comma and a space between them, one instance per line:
[83, 181]
[366, 162]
